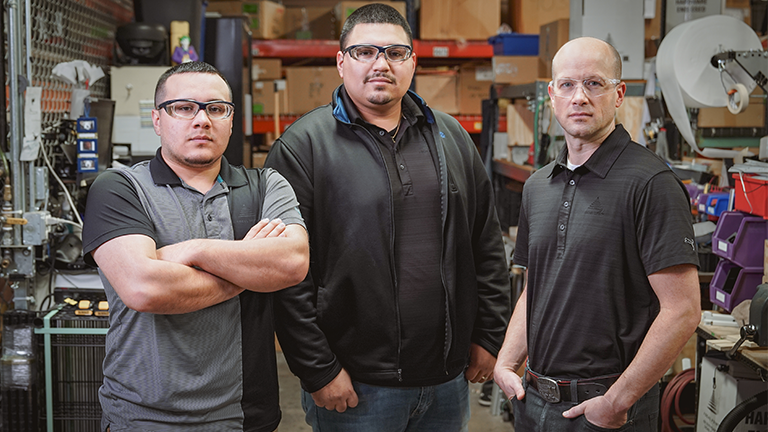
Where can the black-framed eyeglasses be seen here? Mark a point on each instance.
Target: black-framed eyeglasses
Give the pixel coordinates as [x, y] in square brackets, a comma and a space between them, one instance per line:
[187, 108]
[370, 53]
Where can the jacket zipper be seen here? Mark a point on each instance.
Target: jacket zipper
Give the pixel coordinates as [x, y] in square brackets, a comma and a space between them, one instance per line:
[391, 253]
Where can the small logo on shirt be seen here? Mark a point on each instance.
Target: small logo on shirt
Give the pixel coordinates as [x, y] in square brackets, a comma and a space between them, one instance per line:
[690, 242]
[596, 208]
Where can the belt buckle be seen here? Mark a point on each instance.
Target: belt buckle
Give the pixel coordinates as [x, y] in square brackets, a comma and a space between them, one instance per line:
[549, 389]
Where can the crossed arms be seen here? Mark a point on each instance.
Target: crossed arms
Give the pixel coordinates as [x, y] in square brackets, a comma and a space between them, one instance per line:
[194, 274]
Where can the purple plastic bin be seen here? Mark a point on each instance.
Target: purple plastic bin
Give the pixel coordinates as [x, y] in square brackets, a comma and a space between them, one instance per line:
[701, 203]
[693, 191]
[728, 292]
[746, 248]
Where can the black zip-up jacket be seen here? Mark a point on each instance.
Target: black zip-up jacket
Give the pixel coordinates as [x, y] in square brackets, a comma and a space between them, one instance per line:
[345, 312]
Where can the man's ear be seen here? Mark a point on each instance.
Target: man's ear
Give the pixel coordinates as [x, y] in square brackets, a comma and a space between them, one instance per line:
[156, 121]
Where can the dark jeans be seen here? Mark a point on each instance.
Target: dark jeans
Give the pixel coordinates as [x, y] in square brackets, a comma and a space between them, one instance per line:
[534, 414]
[441, 408]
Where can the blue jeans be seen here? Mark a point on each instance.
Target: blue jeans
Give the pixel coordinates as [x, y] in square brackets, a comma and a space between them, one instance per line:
[534, 414]
[440, 408]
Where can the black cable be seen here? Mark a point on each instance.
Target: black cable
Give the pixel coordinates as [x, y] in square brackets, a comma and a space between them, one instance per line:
[737, 414]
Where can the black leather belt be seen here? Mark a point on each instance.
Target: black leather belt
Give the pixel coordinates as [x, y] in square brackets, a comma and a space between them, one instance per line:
[557, 390]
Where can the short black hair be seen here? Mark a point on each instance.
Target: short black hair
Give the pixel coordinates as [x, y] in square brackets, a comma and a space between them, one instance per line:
[188, 67]
[374, 13]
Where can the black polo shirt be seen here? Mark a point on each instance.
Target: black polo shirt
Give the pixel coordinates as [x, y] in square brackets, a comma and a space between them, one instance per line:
[590, 238]
[412, 170]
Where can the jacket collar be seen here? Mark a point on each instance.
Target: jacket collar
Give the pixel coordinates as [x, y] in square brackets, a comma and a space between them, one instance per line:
[162, 174]
[343, 114]
[602, 159]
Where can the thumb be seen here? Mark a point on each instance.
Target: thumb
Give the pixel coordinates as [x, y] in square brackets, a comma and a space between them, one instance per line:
[575, 411]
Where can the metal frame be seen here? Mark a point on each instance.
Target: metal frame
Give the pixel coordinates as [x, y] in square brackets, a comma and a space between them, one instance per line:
[47, 331]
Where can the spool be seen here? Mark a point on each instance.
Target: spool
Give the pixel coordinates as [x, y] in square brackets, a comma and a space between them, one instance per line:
[685, 72]
[738, 99]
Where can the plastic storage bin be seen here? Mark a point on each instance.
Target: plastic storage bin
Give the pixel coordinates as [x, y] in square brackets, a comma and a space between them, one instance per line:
[694, 190]
[751, 195]
[706, 198]
[740, 238]
[717, 204]
[515, 44]
[732, 284]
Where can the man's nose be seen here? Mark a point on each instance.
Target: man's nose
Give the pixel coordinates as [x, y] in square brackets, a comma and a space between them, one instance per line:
[580, 94]
[202, 118]
[381, 61]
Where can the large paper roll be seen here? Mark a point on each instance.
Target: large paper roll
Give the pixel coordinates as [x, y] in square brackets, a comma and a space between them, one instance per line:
[685, 72]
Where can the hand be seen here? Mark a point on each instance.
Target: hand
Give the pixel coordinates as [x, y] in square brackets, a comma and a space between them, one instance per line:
[180, 253]
[338, 394]
[266, 228]
[509, 381]
[481, 364]
[600, 412]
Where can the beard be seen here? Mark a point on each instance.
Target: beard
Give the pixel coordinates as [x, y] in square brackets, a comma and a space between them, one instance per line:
[380, 96]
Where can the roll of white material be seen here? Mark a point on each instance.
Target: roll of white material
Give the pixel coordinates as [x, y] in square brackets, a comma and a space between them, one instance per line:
[685, 72]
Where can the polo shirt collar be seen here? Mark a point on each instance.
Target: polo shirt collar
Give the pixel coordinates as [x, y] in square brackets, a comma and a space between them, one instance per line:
[162, 174]
[602, 159]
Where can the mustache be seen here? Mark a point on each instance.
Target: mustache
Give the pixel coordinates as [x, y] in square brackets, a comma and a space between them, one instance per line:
[381, 75]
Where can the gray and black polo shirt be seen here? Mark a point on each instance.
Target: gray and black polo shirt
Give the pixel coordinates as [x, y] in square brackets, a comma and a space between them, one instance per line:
[213, 369]
[590, 238]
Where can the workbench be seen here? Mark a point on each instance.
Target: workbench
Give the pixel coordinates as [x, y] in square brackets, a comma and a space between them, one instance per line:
[723, 338]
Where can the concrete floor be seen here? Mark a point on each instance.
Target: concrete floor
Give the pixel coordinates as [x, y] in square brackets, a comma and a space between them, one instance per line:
[293, 415]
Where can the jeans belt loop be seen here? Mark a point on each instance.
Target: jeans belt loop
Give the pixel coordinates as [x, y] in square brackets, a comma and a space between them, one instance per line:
[574, 391]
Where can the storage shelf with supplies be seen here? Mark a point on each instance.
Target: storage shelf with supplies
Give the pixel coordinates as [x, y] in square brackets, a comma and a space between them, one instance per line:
[266, 123]
[286, 48]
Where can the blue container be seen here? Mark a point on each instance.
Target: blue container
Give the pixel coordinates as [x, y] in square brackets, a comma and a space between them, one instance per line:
[717, 203]
[515, 44]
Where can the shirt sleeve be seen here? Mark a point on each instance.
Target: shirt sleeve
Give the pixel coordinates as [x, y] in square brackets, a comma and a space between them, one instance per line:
[280, 200]
[664, 224]
[113, 209]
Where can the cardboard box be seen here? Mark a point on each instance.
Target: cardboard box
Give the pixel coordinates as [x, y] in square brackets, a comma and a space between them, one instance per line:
[459, 19]
[753, 116]
[266, 69]
[474, 86]
[345, 8]
[552, 36]
[310, 23]
[519, 124]
[310, 87]
[515, 69]
[527, 16]
[257, 161]
[263, 98]
[265, 18]
[439, 89]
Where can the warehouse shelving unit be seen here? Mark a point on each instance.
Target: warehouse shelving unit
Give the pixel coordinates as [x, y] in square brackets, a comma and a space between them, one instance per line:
[424, 49]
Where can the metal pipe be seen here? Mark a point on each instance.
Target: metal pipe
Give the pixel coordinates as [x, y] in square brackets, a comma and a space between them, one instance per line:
[16, 108]
[28, 27]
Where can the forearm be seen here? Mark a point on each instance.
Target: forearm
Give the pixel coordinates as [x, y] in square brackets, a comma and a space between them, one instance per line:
[147, 284]
[657, 353]
[171, 288]
[679, 314]
[515, 349]
[263, 264]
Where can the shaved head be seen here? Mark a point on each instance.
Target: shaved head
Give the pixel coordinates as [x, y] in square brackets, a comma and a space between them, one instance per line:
[604, 52]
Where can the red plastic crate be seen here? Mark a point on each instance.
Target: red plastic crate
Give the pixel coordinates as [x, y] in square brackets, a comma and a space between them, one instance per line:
[751, 195]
